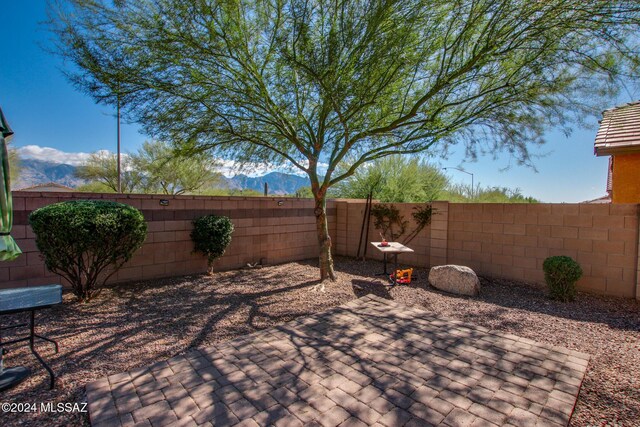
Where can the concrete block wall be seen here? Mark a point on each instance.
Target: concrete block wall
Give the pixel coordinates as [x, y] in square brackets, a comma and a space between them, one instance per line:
[264, 229]
[512, 240]
[498, 240]
[350, 214]
[439, 235]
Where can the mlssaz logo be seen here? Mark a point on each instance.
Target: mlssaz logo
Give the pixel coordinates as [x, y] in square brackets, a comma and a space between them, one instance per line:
[62, 407]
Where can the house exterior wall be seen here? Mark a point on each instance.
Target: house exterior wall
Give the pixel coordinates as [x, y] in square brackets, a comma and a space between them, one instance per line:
[626, 178]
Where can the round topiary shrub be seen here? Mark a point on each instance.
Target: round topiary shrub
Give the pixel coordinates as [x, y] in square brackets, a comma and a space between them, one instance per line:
[211, 235]
[561, 274]
[87, 241]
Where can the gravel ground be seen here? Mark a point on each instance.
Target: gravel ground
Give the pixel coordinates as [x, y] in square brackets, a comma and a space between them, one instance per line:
[138, 323]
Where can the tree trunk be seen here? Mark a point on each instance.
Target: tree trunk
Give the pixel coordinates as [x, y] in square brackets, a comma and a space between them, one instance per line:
[322, 228]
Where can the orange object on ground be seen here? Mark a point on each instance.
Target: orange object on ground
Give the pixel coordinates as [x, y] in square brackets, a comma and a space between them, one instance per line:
[404, 276]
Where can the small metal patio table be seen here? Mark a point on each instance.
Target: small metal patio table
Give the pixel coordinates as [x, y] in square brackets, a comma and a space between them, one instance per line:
[393, 248]
[17, 300]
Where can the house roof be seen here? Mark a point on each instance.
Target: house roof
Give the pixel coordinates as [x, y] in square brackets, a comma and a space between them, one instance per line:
[603, 199]
[619, 131]
[49, 186]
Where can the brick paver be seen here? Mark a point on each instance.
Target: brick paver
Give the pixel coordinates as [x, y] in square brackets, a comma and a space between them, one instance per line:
[368, 362]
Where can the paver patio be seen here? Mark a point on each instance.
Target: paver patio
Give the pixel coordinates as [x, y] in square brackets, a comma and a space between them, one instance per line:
[368, 362]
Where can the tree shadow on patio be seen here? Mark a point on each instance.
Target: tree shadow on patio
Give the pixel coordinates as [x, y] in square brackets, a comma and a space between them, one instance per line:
[365, 287]
[135, 324]
[372, 360]
[132, 324]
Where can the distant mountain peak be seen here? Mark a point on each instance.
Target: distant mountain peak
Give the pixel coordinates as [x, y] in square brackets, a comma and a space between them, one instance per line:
[36, 172]
[278, 182]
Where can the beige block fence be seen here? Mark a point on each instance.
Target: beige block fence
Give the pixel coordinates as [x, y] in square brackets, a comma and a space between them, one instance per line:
[497, 240]
[274, 230]
[511, 241]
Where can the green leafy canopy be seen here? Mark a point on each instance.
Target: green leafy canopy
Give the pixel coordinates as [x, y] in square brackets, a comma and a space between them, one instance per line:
[394, 179]
[315, 80]
[561, 274]
[323, 83]
[155, 168]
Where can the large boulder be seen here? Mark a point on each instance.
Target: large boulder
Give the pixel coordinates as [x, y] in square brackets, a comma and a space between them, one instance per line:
[456, 279]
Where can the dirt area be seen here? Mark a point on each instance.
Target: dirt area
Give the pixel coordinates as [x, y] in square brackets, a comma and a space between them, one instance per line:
[138, 323]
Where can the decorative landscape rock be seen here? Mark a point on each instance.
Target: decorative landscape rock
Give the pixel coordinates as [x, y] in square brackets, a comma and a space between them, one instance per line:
[456, 279]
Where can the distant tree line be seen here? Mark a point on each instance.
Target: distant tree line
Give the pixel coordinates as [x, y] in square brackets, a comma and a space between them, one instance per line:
[155, 168]
[14, 164]
[398, 179]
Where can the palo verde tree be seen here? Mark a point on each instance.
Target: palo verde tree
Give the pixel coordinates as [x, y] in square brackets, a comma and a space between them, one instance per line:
[154, 168]
[310, 82]
[101, 167]
[394, 179]
[167, 173]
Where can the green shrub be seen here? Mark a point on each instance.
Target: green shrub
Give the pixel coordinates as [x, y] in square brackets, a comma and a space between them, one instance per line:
[211, 235]
[87, 241]
[387, 217]
[561, 274]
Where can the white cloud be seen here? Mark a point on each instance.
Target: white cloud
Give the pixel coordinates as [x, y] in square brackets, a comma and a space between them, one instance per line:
[51, 155]
[228, 168]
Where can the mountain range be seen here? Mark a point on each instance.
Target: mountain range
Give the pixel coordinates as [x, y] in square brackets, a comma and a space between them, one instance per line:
[278, 182]
[33, 172]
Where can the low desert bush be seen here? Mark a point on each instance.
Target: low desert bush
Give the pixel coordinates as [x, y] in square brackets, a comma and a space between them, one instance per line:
[211, 235]
[561, 274]
[87, 241]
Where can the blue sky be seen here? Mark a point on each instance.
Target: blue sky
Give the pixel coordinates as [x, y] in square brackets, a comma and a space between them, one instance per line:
[52, 120]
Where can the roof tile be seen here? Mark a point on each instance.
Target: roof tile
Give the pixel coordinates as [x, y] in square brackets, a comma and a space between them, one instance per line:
[619, 131]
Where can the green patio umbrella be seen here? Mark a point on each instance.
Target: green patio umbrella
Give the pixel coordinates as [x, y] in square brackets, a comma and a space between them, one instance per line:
[9, 250]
